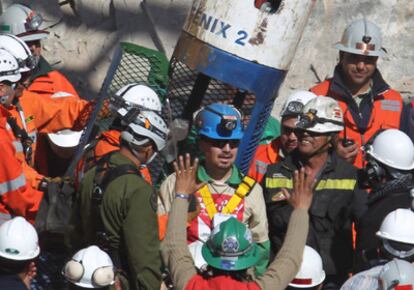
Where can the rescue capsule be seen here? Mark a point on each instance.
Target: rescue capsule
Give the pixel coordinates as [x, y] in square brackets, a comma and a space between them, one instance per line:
[236, 52]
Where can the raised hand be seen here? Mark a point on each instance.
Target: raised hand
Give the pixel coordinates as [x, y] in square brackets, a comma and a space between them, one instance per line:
[186, 175]
[302, 193]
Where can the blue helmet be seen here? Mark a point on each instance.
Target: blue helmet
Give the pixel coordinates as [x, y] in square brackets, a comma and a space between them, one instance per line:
[219, 121]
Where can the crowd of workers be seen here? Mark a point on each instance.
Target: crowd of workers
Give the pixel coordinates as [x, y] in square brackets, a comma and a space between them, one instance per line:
[326, 205]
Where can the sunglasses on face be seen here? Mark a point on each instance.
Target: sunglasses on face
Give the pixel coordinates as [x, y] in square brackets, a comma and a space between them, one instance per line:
[288, 130]
[219, 143]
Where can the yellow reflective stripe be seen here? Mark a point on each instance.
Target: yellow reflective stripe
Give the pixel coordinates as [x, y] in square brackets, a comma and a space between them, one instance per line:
[345, 184]
[340, 184]
[242, 190]
[208, 201]
[278, 182]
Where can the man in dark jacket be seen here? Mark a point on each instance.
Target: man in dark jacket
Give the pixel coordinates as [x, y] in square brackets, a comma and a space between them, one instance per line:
[337, 201]
[390, 160]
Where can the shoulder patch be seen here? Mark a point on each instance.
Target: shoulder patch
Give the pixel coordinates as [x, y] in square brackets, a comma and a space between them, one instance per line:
[278, 196]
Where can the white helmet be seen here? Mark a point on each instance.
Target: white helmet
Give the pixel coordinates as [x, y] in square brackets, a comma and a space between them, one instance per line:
[295, 103]
[398, 226]
[135, 95]
[65, 138]
[321, 115]
[396, 274]
[90, 268]
[311, 271]
[393, 148]
[19, 49]
[22, 21]
[362, 37]
[9, 69]
[18, 240]
[145, 126]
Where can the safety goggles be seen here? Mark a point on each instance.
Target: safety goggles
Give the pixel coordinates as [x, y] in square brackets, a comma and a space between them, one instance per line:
[9, 72]
[30, 62]
[220, 143]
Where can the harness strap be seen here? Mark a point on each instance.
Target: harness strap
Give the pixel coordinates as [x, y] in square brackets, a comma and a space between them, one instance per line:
[244, 188]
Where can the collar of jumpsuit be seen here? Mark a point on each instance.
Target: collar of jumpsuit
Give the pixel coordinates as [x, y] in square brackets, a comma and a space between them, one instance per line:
[234, 179]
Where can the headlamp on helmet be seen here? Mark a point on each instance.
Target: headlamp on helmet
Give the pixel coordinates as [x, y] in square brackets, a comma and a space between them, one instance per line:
[33, 21]
[229, 122]
[294, 108]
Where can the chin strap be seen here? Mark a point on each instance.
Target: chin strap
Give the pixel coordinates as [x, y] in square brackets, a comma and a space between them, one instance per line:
[136, 154]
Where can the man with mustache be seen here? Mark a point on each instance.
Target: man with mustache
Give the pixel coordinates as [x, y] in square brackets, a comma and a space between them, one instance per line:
[227, 191]
[337, 201]
[368, 102]
[287, 141]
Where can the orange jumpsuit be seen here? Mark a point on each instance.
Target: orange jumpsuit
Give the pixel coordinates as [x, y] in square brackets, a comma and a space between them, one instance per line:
[265, 155]
[17, 198]
[45, 116]
[382, 110]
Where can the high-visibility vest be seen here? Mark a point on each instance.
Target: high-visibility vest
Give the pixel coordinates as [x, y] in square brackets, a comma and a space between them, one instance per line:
[40, 114]
[386, 114]
[17, 198]
[265, 155]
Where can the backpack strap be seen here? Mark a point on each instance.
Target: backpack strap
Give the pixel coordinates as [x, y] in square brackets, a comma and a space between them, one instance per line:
[104, 175]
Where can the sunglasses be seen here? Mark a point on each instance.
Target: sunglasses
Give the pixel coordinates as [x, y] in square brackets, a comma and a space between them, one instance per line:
[220, 143]
[288, 130]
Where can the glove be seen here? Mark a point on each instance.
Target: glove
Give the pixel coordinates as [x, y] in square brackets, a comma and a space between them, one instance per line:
[44, 183]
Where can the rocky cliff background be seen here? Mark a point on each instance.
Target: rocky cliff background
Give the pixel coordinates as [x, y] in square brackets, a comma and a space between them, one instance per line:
[84, 34]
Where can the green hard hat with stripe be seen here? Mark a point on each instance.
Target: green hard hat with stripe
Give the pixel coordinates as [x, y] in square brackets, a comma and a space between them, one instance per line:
[230, 247]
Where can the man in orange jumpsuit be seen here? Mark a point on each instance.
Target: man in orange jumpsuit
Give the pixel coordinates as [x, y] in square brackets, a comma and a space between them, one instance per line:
[22, 21]
[287, 141]
[368, 102]
[16, 196]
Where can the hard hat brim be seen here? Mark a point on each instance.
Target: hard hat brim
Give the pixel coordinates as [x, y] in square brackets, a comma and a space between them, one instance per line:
[342, 47]
[11, 78]
[383, 235]
[33, 35]
[245, 261]
[65, 140]
[313, 284]
[21, 258]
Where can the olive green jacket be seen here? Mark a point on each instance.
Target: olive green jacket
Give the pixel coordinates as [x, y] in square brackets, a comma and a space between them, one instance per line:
[128, 213]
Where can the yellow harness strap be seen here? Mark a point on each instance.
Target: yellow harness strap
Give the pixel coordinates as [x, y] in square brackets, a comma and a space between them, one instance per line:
[242, 190]
[208, 201]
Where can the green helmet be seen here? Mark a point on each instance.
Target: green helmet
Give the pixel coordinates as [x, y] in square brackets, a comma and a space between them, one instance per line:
[230, 247]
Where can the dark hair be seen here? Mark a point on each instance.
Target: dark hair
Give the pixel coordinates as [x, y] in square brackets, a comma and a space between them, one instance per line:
[12, 267]
[240, 275]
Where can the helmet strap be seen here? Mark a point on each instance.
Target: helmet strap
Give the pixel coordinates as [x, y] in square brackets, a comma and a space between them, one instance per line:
[397, 253]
